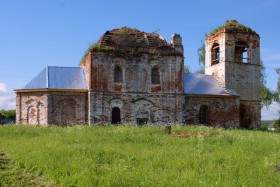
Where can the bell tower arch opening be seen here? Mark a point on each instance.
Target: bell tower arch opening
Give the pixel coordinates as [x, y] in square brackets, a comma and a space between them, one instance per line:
[241, 52]
[215, 54]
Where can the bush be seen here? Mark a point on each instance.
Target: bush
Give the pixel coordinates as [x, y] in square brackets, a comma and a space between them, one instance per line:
[11, 114]
[263, 127]
[276, 124]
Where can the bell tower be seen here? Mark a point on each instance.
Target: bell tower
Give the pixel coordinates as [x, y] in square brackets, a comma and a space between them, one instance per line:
[233, 58]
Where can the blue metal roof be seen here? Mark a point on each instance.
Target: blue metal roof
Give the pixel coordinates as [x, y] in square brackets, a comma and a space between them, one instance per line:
[198, 84]
[59, 78]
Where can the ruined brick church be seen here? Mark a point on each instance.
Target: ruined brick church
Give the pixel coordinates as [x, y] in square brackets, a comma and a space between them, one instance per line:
[130, 76]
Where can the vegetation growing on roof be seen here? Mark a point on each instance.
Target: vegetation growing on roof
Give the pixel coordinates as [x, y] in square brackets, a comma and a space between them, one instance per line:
[233, 25]
[95, 47]
[115, 41]
[116, 52]
[125, 30]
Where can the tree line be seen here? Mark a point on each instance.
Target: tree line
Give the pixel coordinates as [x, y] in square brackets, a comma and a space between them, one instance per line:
[10, 114]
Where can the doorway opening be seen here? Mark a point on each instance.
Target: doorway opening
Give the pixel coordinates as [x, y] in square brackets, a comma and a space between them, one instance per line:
[203, 114]
[116, 115]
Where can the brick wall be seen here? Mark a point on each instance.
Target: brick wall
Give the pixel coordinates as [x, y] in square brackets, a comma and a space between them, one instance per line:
[250, 114]
[32, 108]
[157, 108]
[136, 71]
[67, 108]
[222, 111]
[51, 108]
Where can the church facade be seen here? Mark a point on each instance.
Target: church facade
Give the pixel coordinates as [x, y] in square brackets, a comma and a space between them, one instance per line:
[130, 76]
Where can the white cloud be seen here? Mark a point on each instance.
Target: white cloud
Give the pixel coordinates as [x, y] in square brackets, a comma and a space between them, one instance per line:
[7, 99]
[272, 112]
[3, 88]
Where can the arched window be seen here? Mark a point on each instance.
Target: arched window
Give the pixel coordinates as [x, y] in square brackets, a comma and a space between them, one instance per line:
[155, 76]
[203, 114]
[118, 77]
[215, 54]
[241, 52]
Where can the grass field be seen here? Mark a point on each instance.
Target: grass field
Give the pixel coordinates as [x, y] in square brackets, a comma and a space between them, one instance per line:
[139, 156]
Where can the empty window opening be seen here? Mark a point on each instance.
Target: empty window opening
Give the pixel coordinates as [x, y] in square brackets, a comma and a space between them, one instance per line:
[116, 115]
[203, 115]
[155, 76]
[118, 74]
[241, 52]
[215, 54]
[142, 121]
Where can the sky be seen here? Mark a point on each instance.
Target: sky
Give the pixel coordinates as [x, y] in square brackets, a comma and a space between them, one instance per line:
[35, 34]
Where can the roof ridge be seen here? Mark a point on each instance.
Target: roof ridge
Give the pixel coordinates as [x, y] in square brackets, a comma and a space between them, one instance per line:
[62, 67]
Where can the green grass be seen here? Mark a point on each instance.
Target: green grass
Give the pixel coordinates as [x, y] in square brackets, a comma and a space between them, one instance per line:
[10, 175]
[143, 156]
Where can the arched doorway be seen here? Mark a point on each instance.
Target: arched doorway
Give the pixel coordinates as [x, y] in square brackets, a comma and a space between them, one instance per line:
[116, 115]
[245, 117]
[203, 114]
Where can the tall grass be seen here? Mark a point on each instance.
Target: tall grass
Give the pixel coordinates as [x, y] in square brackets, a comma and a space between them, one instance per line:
[143, 156]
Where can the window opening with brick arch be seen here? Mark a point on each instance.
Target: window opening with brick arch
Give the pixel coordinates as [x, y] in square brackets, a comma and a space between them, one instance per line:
[155, 76]
[203, 114]
[116, 115]
[241, 52]
[142, 116]
[118, 75]
[215, 54]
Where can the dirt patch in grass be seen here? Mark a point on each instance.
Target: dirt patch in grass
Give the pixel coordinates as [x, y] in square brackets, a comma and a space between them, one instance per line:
[10, 175]
[193, 134]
